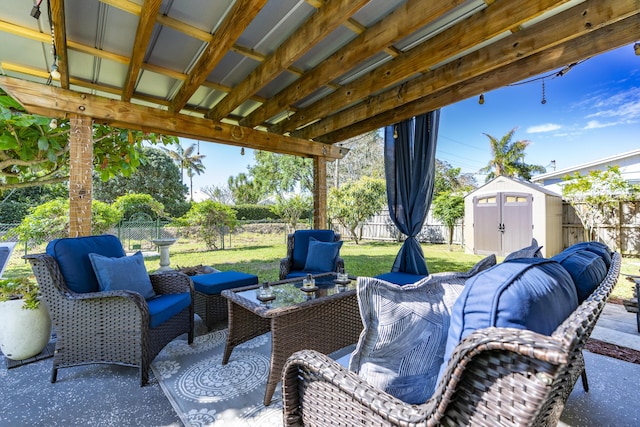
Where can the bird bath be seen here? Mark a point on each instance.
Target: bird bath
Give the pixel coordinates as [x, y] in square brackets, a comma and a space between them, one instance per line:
[163, 247]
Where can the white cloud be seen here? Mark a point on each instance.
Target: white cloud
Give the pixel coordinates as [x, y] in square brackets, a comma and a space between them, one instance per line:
[594, 124]
[547, 127]
[624, 106]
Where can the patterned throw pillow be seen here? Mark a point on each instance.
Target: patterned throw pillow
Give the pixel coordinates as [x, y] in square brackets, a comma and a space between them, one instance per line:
[405, 330]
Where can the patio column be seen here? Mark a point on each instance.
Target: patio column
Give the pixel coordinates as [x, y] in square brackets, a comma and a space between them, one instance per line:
[319, 192]
[80, 180]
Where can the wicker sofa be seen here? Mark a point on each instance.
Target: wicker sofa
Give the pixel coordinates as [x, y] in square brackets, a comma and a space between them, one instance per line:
[495, 376]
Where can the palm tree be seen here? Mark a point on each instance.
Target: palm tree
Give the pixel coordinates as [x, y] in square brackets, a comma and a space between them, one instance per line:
[187, 160]
[508, 158]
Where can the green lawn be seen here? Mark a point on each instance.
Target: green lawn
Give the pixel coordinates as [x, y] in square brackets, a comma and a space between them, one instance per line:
[260, 254]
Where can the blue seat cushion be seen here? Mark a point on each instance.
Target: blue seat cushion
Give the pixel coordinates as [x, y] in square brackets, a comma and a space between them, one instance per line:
[321, 256]
[122, 273]
[526, 293]
[400, 278]
[214, 283]
[596, 247]
[531, 251]
[164, 307]
[587, 269]
[72, 255]
[301, 244]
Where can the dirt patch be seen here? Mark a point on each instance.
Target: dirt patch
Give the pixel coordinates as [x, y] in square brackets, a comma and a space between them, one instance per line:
[612, 350]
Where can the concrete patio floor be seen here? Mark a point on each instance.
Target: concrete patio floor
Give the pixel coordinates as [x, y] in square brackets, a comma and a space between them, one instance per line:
[105, 395]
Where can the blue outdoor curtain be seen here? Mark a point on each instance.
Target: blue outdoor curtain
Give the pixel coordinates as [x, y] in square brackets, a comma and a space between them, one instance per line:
[409, 163]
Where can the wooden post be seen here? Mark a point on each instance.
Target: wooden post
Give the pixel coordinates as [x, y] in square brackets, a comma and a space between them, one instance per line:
[80, 180]
[319, 192]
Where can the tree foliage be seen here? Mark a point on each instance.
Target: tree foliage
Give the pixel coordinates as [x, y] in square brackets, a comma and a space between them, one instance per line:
[51, 219]
[448, 207]
[281, 173]
[130, 204]
[245, 189]
[210, 220]
[449, 179]
[188, 160]
[291, 209]
[508, 158]
[158, 176]
[365, 158]
[16, 202]
[218, 194]
[595, 197]
[34, 150]
[355, 202]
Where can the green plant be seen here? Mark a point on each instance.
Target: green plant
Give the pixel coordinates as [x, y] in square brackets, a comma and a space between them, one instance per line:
[24, 288]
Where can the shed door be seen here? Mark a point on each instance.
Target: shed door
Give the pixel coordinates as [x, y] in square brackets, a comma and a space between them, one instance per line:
[486, 223]
[517, 221]
[503, 222]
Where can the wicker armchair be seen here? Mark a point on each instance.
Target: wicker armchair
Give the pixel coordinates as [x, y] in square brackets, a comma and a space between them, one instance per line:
[496, 376]
[110, 327]
[296, 255]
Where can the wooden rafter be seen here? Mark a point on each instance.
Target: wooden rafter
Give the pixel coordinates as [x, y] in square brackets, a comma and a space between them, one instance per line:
[565, 26]
[57, 102]
[402, 22]
[238, 18]
[60, 40]
[319, 25]
[494, 20]
[146, 23]
[590, 44]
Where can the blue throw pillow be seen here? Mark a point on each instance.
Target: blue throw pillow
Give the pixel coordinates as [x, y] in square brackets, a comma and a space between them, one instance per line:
[531, 251]
[123, 273]
[597, 248]
[321, 256]
[587, 269]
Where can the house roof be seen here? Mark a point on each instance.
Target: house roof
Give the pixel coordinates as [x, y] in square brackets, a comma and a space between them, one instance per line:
[587, 166]
[290, 76]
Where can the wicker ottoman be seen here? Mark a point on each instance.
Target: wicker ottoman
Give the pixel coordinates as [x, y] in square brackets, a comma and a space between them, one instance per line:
[209, 304]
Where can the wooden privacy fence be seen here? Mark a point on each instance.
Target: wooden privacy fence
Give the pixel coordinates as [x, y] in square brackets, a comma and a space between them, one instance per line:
[380, 227]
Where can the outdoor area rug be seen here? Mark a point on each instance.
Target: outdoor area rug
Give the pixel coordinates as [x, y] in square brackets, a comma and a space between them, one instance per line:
[205, 393]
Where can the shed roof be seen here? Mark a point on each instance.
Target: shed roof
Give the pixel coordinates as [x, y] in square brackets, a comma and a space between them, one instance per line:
[290, 76]
[517, 182]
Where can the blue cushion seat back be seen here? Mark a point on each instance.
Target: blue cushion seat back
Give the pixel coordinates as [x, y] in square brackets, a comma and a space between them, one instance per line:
[587, 269]
[214, 283]
[72, 255]
[164, 307]
[527, 293]
[301, 244]
[596, 247]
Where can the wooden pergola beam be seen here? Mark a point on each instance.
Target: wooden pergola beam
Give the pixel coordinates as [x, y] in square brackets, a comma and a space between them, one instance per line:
[144, 31]
[57, 102]
[565, 26]
[491, 22]
[324, 21]
[594, 43]
[403, 21]
[234, 24]
[60, 40]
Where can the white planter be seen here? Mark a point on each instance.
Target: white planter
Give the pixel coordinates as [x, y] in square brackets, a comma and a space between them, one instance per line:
[23, 333]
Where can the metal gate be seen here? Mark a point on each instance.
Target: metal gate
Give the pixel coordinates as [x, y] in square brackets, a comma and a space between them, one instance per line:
[502, 222]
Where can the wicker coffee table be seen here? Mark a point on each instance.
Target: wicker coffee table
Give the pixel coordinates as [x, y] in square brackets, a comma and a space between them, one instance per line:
[325, 320]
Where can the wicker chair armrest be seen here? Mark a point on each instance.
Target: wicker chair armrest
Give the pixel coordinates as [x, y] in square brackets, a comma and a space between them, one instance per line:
[119, 301]
[355, 394]
[171, 282]
[285, 267]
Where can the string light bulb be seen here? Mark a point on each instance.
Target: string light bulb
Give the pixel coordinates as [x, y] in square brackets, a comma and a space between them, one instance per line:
[53, 124]
[636, 48]
[55, 74]
[395, 132]
[481, 99]
[242, 151]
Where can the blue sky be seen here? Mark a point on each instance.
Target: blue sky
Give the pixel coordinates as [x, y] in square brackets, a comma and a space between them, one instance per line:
[593, 111]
